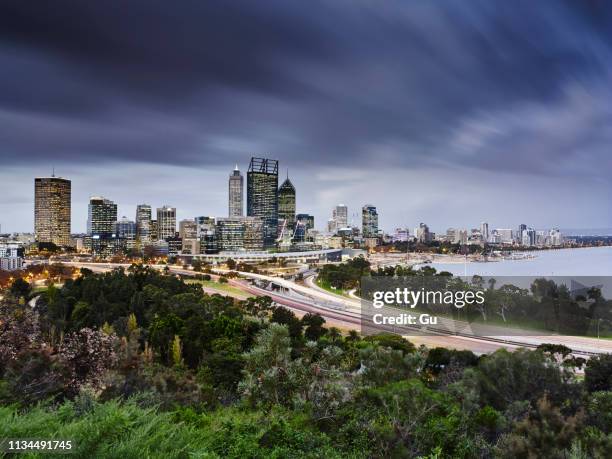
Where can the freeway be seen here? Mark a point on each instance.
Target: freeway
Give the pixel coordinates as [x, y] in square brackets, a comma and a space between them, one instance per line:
[346, 313]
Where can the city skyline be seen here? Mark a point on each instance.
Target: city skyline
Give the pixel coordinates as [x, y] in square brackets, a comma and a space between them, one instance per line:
[339, 213]
[471, 113]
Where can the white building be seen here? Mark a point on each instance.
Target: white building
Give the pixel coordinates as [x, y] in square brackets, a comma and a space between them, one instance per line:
[11, 256]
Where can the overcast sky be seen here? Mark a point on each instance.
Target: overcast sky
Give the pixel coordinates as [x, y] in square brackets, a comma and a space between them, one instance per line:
[450, 113]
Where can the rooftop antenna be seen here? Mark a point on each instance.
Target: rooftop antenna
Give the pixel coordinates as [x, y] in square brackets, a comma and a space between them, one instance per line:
[53, 172]
[287, 173]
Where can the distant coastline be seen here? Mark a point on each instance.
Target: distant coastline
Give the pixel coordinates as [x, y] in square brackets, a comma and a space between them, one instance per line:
[588, 261]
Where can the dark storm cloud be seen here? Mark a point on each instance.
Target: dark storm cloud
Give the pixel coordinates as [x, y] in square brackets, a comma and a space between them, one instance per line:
[412, 84]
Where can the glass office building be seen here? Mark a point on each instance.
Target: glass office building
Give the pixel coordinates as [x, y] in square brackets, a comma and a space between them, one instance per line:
[286, 203]
[143, 222]
[101, 217]
[262, 197]
[52, 197]
[166, 222]
[369, 221]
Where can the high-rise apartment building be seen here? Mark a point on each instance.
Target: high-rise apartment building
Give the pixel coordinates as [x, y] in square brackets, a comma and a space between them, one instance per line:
[369, 221]
[484, 231]
[262, 196]
[236, 187]
[52, 197]
[528, 237]
[143, 222]
[556, 238]
[101, 217]
[519, 235]
[286, 203]
[166, 222]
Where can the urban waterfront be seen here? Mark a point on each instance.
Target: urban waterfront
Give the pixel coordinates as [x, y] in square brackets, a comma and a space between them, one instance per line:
[587, 261]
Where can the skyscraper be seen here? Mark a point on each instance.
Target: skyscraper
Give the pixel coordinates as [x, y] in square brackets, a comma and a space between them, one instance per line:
[166, 222]
[52, 196]
[369, 221]
[101, 217]
[236, 186]
[286, 203]
[143, 222]
[262, 196]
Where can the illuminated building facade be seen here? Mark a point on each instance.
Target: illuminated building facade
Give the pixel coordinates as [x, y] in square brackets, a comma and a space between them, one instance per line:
[369, 221]
[262, 196]
[52, 198]
[166, 222]
[286, 203]
[143, 222]
[236, 187]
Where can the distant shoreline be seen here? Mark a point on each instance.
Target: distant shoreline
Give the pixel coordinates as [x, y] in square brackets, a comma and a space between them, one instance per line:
[455, 259]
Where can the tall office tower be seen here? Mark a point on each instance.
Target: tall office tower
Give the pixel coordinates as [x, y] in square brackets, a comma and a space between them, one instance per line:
[188, 229]
[52, 196]
[143, 222]
[166, 222]
[236, 187]
[484, 231]
[369, 221]
[340, 215]
[101, 217]
[262, 196]
[286, 203]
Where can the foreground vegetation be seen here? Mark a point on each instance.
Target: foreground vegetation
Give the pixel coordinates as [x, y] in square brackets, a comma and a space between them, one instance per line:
[140, 364]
